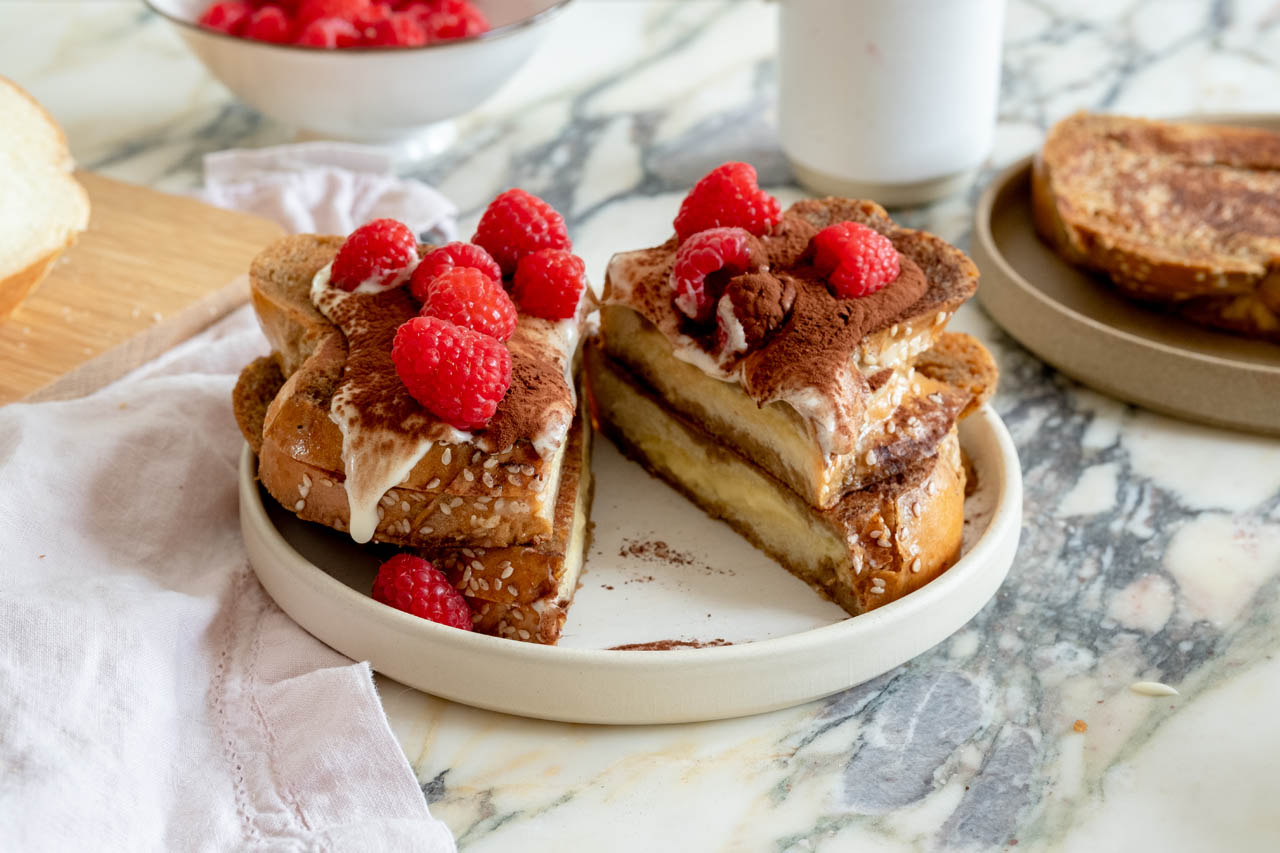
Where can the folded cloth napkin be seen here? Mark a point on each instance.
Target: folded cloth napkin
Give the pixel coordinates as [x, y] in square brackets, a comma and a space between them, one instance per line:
[324, 188]
[152, 697]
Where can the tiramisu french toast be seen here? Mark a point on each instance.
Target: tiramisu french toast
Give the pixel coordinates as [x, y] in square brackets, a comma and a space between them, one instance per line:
[410, 400]
[1182, 216]
[791, 374]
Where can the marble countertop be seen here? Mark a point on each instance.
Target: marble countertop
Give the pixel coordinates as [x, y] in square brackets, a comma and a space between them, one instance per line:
[1150, 547]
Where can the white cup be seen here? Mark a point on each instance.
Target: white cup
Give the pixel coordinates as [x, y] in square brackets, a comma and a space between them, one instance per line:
[893, 100]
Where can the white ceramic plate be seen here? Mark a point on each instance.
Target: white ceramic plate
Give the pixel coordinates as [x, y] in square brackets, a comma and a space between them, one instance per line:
[1080, 324]
[659, 569]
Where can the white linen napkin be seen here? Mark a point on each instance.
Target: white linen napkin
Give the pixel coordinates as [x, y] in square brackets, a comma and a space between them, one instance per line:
[324, 188]
[152, 696]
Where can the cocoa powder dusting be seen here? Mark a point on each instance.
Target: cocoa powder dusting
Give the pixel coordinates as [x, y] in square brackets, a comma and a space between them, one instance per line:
[369, 322]
[668, 645]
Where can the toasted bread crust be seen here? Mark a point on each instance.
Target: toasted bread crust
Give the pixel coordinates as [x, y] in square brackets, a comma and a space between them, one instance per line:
[959, 360]
[300, 442]
[1186, 217]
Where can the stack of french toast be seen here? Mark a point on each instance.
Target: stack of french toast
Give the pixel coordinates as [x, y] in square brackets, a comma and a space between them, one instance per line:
[790, 372]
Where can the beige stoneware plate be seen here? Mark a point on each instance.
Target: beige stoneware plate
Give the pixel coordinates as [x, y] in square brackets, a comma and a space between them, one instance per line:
[1076, 322]
[698, 582]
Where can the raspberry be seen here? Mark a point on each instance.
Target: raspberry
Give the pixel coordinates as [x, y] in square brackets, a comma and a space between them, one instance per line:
[378, 253]
[451, 19]
[229, 16]
[399, 29]
[727, 196]
[441, 260]
[457, 374]
[271, 24]
[328, 32]
[347, 10]
[517, 223]
[549, 284]
[706, 259]
[413, 585]
[856, 260]
[468, 297]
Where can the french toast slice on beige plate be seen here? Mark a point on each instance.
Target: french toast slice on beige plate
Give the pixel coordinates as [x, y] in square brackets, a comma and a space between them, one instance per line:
[1178, 215]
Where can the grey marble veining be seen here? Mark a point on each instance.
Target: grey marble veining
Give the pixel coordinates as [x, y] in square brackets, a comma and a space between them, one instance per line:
[1150, 548]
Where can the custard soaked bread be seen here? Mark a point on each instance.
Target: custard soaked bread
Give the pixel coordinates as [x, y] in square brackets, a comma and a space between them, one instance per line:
[1185, 216]
[793, 409]
[415, 398]
[496, 477]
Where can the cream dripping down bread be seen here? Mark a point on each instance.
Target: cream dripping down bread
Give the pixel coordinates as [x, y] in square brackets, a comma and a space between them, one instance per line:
[42, 207]
[344, 439]
[821, 427]
[1181, 216]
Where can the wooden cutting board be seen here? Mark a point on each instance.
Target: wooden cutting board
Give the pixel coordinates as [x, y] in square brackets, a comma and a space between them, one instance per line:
[151, 271]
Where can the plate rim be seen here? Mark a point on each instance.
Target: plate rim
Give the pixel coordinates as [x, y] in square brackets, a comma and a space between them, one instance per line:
[1008, 500]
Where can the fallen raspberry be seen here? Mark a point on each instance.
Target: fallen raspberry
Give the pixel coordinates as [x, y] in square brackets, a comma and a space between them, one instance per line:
[229, 16]
[856, 260]
[703, 264]
[467, 297]
[457, 374]
[270, 24]
[450, 255]
[328, 32]
[727, 196]
[377, 253]
[517, 223]
[413, 585]
[549, 284]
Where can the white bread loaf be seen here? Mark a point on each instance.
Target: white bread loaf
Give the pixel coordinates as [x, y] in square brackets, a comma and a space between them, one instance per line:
[42, 207]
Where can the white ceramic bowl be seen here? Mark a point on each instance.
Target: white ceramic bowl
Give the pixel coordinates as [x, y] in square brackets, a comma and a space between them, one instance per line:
[375, 95]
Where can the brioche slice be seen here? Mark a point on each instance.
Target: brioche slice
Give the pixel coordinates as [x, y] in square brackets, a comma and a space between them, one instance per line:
[456, 492]
[42, 207]
[522, 592]
[1185, 216]
[872, 547]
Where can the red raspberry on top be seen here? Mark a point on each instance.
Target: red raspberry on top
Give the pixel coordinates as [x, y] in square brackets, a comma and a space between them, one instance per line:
[467, 297]
[457, 374]
[270, 24]
[707, 259]
[450, 255]
[229, 16]
[413, 585]
[379, 252]
[328, 32]
[727, 196]
[856, 260]
[549, 284]
[517, 223]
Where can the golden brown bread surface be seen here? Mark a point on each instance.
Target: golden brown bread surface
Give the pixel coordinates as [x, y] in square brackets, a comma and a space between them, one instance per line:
[874, 546]
[517, 591]
[1186, 216]
[455, 492]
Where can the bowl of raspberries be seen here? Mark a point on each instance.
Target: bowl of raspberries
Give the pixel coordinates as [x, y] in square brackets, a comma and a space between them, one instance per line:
[376, 71]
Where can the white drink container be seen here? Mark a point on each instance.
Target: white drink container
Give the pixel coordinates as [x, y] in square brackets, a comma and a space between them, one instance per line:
[893, 100]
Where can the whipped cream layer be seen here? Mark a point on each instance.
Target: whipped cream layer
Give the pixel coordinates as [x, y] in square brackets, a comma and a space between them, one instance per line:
[386, 433]
[792, 341]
